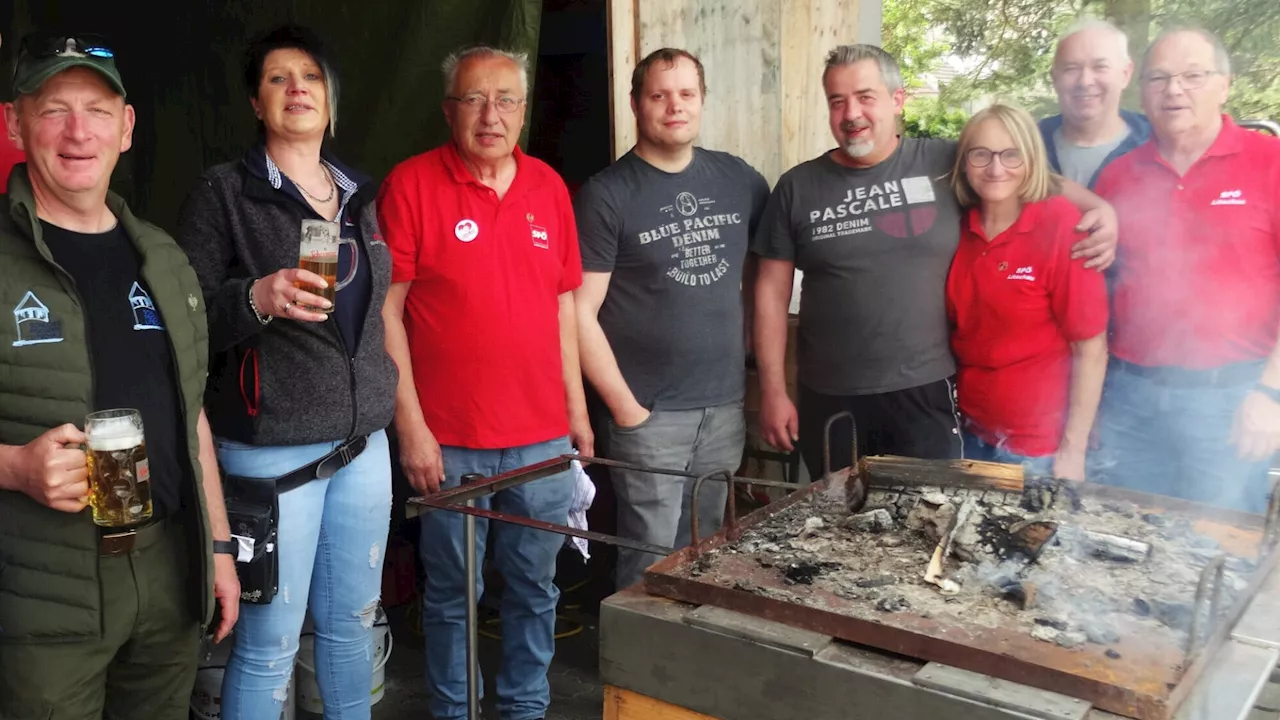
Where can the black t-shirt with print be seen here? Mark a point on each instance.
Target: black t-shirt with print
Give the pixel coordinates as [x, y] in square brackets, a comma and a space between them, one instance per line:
[128, 348]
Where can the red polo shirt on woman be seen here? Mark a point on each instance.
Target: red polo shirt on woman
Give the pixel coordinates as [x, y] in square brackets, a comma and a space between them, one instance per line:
[482, 310]
[1016, 304]
[1197, 283]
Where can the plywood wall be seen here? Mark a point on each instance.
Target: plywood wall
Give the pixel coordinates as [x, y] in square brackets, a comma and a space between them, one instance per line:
[763, 60]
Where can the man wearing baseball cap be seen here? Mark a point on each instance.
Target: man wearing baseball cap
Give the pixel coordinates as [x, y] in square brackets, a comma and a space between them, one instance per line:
[107, 314]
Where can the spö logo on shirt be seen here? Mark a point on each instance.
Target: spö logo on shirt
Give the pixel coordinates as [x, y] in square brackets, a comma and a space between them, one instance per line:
[540, 237]
[1230, 197]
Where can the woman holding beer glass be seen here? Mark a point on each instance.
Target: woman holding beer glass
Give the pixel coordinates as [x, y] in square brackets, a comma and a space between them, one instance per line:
[285, 242]
[1028, 323]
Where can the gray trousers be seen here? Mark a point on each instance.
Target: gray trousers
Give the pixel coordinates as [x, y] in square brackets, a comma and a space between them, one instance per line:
[655, 508]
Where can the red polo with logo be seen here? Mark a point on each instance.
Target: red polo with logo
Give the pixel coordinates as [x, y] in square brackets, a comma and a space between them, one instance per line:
[1016, 304]
[482, 309]
[1197, 282]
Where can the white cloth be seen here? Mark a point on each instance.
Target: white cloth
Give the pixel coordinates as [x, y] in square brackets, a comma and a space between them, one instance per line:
[584, 493]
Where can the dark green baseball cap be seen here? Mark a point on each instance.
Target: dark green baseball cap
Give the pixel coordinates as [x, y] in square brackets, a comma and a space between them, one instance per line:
[43, 55]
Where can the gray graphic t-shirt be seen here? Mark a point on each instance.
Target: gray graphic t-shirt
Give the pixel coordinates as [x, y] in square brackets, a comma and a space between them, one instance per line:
[675, 243]
[874, 245]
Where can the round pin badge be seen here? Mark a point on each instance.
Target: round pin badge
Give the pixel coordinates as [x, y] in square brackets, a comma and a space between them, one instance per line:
[466, 230]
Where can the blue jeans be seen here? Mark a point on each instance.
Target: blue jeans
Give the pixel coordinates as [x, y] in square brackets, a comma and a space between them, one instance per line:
[330, 544]
[526, 558]
[975, 448]
[1168, 440]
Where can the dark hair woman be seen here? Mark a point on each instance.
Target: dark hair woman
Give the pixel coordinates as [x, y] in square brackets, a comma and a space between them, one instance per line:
[286, 244]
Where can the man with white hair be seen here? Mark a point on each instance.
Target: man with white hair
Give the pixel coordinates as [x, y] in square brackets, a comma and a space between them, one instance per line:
[481, 323]
[1191, 405]
[1091, 69]
[873, 225]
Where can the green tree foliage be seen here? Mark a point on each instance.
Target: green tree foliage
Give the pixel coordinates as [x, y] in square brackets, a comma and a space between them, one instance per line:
[906, 26]
[929, 117]
[1015, 39]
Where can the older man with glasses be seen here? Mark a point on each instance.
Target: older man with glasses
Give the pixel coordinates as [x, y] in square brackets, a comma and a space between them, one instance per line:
[1192, 401]
[480, 321]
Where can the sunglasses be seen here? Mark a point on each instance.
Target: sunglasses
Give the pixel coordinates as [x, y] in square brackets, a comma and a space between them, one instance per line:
[47, 45]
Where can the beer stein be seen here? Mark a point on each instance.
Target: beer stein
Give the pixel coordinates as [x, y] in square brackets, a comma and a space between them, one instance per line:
[318, 252]
[119, 476]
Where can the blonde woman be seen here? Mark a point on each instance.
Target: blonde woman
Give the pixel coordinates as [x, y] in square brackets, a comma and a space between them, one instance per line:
[1028, 323]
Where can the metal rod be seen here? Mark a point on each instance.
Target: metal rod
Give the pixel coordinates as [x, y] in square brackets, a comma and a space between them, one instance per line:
[826, 441]
[681, 473]
[1271, 531]
[693, 502]
[554, 466]
[550, 527]
[497, 483]
[1212, 572]
[473, 620]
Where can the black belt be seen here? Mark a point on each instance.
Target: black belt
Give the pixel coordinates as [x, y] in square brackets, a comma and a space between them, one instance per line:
[118, 541]
[1219, 377]
[324, 468]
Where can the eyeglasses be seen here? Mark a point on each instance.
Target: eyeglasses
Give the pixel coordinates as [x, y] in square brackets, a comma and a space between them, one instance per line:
[45, 45]
[980, 157]
[504, 104]
[1190, 80]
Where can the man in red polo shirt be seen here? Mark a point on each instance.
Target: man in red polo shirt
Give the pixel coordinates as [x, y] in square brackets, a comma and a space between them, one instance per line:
[1192, 401]
[480, 321]
[10, 155]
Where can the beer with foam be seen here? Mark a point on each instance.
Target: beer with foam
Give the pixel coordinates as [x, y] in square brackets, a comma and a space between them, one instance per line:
[119, 475]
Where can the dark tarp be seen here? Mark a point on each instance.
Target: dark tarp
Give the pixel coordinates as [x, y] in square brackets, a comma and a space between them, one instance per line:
[181, 63]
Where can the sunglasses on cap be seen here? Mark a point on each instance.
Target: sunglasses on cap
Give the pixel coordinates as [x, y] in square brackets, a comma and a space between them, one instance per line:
[42, 55]
[45, 45]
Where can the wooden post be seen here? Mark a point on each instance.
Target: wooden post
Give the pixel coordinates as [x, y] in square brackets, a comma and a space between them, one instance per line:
[622, 704]
[763, 61]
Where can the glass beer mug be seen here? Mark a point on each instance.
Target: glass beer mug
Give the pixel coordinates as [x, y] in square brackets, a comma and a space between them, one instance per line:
[318, 252]
[119, 476]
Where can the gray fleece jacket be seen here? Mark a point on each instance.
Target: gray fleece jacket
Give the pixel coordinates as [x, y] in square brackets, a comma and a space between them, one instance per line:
[288, 382]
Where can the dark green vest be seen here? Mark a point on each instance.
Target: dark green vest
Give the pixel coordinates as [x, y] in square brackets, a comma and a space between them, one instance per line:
[49, 559]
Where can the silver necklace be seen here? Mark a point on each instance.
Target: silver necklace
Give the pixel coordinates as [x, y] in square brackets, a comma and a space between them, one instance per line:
[333, 187]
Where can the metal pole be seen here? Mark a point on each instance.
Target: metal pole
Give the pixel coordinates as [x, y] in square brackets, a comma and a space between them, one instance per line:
[473, 620]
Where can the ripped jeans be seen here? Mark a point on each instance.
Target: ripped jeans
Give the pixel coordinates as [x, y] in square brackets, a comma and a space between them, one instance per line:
[331, 539]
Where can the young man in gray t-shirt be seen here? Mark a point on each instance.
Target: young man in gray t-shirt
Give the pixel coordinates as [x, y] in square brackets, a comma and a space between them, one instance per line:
[664, 234]
[873, 225]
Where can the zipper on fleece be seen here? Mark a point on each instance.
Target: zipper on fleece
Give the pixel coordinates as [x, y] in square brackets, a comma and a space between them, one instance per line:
[332, 324]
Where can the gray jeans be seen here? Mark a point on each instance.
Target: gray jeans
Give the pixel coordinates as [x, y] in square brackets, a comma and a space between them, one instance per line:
[655, 508]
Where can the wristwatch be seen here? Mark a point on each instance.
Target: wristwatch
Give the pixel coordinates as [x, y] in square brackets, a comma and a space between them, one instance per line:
[226, 547]
[1273, 393]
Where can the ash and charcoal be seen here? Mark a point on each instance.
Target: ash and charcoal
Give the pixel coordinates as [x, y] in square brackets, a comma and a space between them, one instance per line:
[1065, 569]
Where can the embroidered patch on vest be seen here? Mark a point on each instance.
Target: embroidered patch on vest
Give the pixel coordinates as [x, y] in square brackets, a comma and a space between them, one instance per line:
[35, 326]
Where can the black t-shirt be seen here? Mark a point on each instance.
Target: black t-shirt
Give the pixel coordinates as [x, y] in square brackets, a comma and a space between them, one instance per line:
[129, 348]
